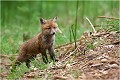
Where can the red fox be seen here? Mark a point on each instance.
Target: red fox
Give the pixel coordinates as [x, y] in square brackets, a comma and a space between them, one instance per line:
[39, 44]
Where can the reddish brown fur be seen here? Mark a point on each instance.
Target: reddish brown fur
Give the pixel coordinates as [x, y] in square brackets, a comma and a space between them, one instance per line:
[39, 44]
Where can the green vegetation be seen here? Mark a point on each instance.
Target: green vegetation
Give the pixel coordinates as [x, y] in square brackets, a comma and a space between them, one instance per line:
[18, 73]
[112, 25]
[19, 17]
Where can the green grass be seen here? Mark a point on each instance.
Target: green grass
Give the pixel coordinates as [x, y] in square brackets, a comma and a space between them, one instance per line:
[12, 36]
[20, 17]
[19, 72]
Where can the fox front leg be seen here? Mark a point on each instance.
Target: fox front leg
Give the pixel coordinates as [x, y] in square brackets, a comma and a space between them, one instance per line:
[44, 57]
[28, 63]
[29, 60]
[51, 52]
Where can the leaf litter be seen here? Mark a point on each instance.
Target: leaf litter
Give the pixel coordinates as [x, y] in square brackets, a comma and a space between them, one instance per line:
[97, 57]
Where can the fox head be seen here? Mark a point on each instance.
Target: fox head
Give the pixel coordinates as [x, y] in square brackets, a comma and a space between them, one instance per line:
[49, 27]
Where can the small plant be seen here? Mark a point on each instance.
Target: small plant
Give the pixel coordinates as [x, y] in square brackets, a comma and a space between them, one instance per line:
[73, 27]
[110, 23]
[90, 45]
[113, 25]
[38, 64]
[70, 31]
[19, 72]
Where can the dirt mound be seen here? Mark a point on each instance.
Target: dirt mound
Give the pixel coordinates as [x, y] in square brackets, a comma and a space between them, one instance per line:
[95, 58]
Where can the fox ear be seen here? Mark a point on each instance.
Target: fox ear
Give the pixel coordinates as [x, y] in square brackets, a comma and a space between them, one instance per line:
[42, 21]
[55, 19]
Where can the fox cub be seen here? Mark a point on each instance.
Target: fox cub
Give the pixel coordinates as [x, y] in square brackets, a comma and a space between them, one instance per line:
[39, 44]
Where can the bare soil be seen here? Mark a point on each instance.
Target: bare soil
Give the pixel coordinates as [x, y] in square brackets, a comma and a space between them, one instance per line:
[97, 57]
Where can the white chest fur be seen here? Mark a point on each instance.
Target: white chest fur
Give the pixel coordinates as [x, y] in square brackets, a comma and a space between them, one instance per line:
[48, 40]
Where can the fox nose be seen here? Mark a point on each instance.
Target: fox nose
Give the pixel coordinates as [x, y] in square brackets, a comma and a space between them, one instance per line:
[53, 33]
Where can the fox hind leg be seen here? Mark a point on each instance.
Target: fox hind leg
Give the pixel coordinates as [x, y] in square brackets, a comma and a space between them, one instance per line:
[15, 64]
[45, 59]
[28, 63]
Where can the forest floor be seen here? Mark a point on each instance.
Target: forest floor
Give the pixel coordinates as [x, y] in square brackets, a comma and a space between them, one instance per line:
[97, 57]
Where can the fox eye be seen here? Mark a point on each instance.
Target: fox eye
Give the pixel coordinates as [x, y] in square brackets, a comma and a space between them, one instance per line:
[48, 28]
[54, 27]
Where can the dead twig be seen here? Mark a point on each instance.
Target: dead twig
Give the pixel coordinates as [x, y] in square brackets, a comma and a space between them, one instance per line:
[71, 53]
[100, 34]
[91, 25]
[104, 25]
[60, 77]
[71, 43]
[109, 17]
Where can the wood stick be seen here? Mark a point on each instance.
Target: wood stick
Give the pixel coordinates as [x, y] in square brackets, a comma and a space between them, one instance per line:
[104, 25]
[108, 17]
[60, 77]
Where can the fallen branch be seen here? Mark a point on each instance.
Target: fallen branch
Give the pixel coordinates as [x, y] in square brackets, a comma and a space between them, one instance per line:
[109, 17]
[104, 25]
